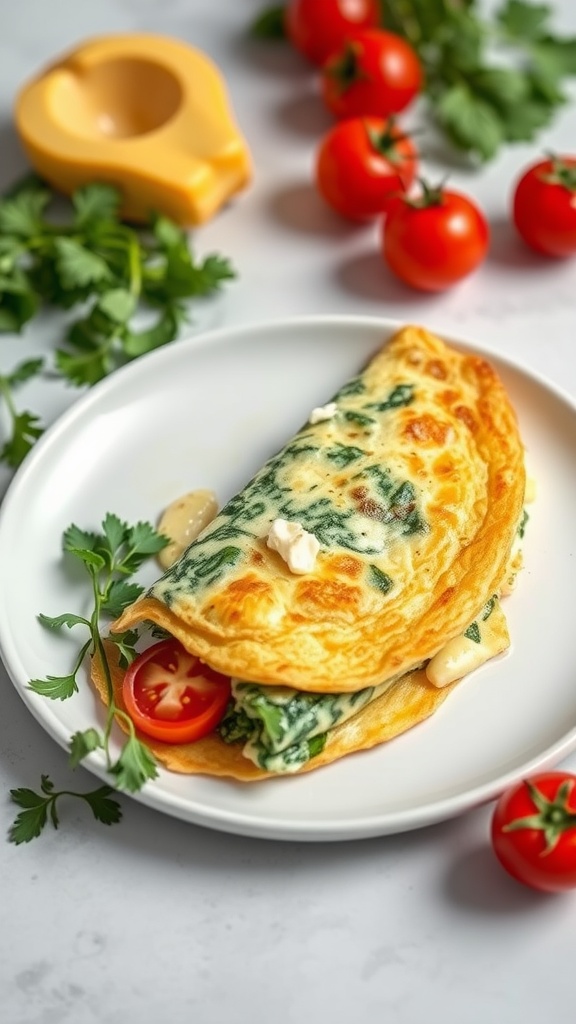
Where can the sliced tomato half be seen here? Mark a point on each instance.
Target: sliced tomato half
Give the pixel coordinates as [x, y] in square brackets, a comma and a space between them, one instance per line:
[172, 696]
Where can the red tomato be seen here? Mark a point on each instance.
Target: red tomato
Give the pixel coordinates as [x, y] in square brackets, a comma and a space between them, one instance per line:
[544, 206]
[319, 27]
[372, 73]
[172, 696]
[534, 831]
[434, 241]
[361, 163]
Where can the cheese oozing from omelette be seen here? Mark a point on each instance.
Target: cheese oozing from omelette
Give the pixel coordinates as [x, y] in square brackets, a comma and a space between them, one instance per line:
[413, 489]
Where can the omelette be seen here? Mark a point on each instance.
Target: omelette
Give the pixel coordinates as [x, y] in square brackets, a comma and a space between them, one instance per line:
[357, 577]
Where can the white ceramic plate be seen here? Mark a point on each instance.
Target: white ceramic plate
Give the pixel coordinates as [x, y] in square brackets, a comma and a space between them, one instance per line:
[206, 413]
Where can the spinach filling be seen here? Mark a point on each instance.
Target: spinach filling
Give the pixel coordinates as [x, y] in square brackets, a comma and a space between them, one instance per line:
[283, 728]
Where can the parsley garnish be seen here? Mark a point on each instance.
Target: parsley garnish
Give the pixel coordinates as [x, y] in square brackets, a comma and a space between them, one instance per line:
[25, 426]
[488, 81]
[37, 806]
[109, 558]
[107, 270]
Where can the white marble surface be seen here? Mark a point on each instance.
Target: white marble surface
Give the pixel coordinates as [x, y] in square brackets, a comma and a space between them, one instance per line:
[156, 919]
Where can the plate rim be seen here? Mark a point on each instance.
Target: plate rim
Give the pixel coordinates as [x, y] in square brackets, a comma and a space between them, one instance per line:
[392, 822]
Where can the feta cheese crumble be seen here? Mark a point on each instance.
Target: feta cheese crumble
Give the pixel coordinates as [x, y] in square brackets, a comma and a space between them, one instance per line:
[323, 412]
[294, 544]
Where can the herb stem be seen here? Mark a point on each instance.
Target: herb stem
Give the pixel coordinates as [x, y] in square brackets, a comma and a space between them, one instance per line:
[8, 398]
[98, 650]
[135, 269]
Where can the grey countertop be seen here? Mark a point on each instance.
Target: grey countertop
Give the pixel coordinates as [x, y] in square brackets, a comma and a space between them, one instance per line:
[159, 919]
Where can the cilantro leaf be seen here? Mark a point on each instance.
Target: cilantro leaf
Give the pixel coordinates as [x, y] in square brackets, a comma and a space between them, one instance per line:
[82, 744]
[24, 371]
[170, 237]
[103, 807]
[118, 304]
[120, 594]
[135, 766]
[522, 20]
[90, 558]
[561, 51]
[11, 249]
[30, 822]
[125, 642]
[18, 301]
[26, 427]
[211, 273]
[95, 203]
[471, 122]
[77, 266]
[22, 214]
[504, 88]
[178, 276]
[67, 619]
[87, 368]
[55, 687]
[26, 797]
[74, 539]
[527, 121]
[114, 531]
[144, 540]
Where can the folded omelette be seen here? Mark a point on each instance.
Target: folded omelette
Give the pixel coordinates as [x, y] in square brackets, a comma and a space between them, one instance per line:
[411, 483]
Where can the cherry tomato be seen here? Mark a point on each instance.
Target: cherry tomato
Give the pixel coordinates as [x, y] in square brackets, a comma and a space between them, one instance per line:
[434, 241]
[544, 206]
[372, 73]
[172, 696]
[534, 831]
[362, 163]
[319, 27]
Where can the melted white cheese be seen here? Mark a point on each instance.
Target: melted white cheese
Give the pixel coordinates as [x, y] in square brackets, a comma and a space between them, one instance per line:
[458, 657]
[462, 654]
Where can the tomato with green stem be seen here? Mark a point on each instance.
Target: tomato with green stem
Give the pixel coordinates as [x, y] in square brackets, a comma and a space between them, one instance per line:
[534, 831]
[544, 206]
[172, 696]
[319, 27]
[433, 241]
[362, 163]
[374, 72]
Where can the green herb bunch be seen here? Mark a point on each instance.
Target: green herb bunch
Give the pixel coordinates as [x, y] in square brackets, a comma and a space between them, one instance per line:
[107, 272]
[489, 80]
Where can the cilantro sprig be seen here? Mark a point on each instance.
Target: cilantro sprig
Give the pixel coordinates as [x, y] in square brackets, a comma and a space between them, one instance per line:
[25, 426]
[105, 270]
[37, 807]
[488, 80]
[110, 558]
